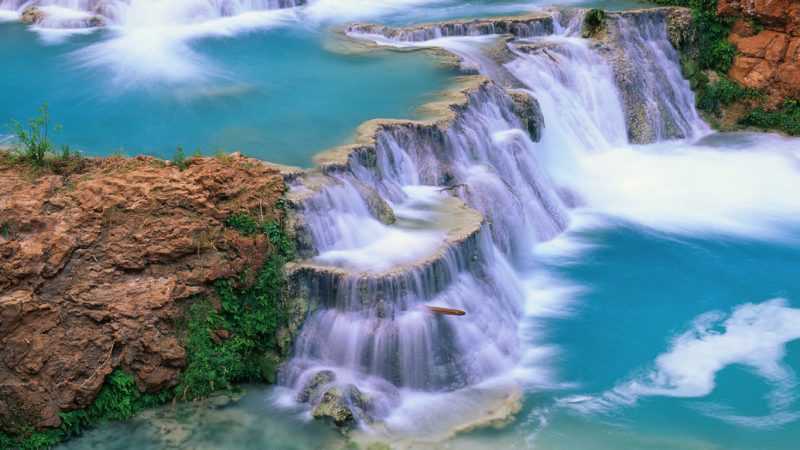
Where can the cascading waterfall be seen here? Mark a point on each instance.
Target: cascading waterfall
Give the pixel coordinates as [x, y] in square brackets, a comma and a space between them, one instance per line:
[370, 345]
[566, 75]
[659, 103]
[371, 341]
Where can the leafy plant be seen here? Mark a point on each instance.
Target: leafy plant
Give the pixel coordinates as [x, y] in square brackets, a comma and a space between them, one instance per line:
[230, 343]
[180, 159]
[786, 118]
[119, 399]
[713, 96]
[593, 22]
[34, 137]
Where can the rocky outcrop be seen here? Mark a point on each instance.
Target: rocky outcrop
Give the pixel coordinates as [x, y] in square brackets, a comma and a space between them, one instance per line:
[767, 37]
[34, 15]
[530, 113]
[96, 267]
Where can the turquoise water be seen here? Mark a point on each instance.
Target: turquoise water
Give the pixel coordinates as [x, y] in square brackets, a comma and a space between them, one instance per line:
[277, 95]
[646, 333]
[274, 90]
[488, 8]
[643, 290]
[638, 290]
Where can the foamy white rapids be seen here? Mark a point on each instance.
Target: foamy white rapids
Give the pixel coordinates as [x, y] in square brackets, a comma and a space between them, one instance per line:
[149, 40]
[753, 335]
[685, 186]
[354, 239]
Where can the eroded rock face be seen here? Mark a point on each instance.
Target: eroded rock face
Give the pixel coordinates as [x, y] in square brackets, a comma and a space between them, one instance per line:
[94, 269]
[769, 52]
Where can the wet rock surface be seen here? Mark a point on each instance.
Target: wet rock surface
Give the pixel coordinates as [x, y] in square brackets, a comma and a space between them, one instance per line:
[96, 267]
[519, 26]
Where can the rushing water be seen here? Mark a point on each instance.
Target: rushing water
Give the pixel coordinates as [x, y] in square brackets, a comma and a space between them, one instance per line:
[621, 296]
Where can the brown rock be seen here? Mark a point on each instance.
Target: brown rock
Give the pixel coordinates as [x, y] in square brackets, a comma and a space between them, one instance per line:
[32, 15]
[753, 72]
[756, 46]
[767, 60]
[776, 48]
[93, 267]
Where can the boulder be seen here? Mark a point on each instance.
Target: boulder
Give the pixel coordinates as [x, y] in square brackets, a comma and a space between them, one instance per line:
[528, 110]
[332, 406]
[32, 15]
[312, 388]
[344, 407]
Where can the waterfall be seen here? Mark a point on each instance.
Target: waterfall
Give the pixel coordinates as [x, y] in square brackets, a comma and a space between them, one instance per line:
[88, 13]
[369, 343]
[659, 103]
[371, 339]
[575, 86]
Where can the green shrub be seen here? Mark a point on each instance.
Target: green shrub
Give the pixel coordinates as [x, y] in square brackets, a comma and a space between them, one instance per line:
[34, 147]
[711, 97]
[713, 49]
[180, 159]
[34, 138]
[593, 22]
[119, 399]
[248, 314]
[785, 119]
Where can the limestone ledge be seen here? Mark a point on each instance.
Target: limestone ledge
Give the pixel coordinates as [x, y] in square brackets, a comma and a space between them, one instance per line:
[460, 247]
[438, 114]
[522, 26]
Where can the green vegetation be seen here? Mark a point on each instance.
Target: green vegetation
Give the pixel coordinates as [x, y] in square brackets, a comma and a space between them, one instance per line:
[34, 138]
[35, 148]
[711, 52]
[230, 339]
[236, 340]
[119, 399]
[721, 93]
[714, 50]
[785, 119]
[180, 159]
[593, 22]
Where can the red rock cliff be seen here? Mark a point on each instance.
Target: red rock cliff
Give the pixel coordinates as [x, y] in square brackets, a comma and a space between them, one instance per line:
[93, 268]
[767, 35]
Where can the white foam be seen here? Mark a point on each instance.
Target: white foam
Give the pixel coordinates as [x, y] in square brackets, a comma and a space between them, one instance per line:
[8, 15]
[144, 52]
[679, 187]
[389, 248]
[753, 335]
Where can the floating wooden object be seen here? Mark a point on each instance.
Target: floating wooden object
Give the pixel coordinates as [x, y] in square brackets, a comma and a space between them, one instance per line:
[445, 311]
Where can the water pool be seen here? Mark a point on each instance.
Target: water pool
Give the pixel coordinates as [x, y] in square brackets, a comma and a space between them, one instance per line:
[277, 95]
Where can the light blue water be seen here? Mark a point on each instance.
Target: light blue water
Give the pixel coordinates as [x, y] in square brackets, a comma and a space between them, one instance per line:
[644, 289]
[456, 9]
[640, 290]
[274, 91]
[281, 96]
